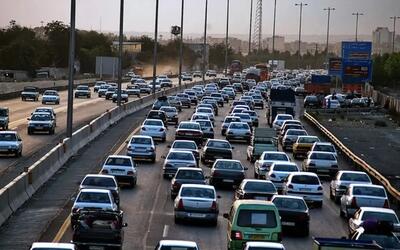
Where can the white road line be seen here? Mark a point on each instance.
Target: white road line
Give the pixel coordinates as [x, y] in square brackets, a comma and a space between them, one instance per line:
[165, 231]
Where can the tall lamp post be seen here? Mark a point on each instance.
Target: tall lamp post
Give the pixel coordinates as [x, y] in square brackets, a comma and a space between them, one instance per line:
[357, 14]
[155, 49]
[121, 41]
[251, 21]
[329, 9]
[181, 46]
[301, 16]
[205, 42]
[394, 31]
[226, 37]
[71, 61]
[273, 30]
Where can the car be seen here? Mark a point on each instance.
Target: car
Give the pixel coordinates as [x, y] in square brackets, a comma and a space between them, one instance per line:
[252, 220]
[154, 128]
[255, 189]
[186, 176]
[141, 147]
[332, 104]
[379, 232]
[248, 100]
[196, 202]
[225, 124]
[110, 92]
[98, 85]
[176, 244]
[289, 122]
[207, 111]
[219, 98]
[343, 179]
[204, 105]
[372, 214]
[177, 159]
[229, 172]
[189, 131]
[285, 128]
[171, 114]
[253, 115]
[324, 147]
[211, 73]
[245, 118]
[216, 149]
[238, 131]
[10, 143]
[187, 77]
[52, 246]
[174, 102]
[358, 103]
[102, 90]
[279, 119]
[144, 88]
[186, 145]
[300, 91]
[306, 185]
[267, 158]
[195, 117]
[4, 118]
[206, 127]
[213, 103]
[166, 83]
[311, 101]
[279, 171]
[192, 96]
[321, 163]
[362, 195]
[197, 74]
[48, 110]
[82, 90]
[303, 145]
[254, 245]
[209, 90]
[41, 122]
[231, 94]
[290, 137]
[124, 96]
[158, 114]
[184, 99]
[133, 90]
[30, 93]
[51, 96]
[122, 167]
[101, 181]
[294, 213]
[100, 199]
[258, 101]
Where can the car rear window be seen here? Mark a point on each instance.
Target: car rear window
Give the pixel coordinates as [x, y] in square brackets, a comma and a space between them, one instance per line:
[94, 197]
[276, 157]
[194, 126]
[243, 116]
[256, 218]
[305, 179]
[177, 248]
[285, 168]
[184, 156]
[324, 148]
[379, 216]
[99, 182]
[118, 162]
[308, 139]
[230, 165]
[190, 174]
[321, 156]
[296, 132]
[8, 137]
[218, 144]
[205, 124]
[288, 203]
[40, 117]
[141, 140]
[82, 88]
[185, 145]
[369, 191]
[259, 186]
[235, 125]
[153, 123]
[197, 192]
[355, 177]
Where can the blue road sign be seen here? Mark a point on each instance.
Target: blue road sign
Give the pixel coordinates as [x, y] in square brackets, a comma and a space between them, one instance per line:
[356, 51]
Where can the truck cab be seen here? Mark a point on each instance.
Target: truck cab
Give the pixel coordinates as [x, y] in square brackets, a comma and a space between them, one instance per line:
[263, 139]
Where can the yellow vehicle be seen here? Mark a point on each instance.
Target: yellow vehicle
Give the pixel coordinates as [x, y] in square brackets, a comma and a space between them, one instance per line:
[252, 220]
[303, 145]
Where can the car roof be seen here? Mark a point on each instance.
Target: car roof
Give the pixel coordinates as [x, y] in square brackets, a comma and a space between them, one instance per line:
[180, 151]
[257, 180]
[189, 169]
[229, 160]
[99, 176]
[43, 107]
[94, 190]
[53, 245]
[238, 203]
[377, 209]
[119, 156]
[275, 152]
[189, 141]
[218, 140]
[197, 186]
[183, 243]
[322, 152]
[287, 197]
[304, 173]
[284, 163]
[308, 136]
[141, 136]
[158, 120]
[40, 113]
[8, 132]
[264, 244]
[351, 172]
[365, 185]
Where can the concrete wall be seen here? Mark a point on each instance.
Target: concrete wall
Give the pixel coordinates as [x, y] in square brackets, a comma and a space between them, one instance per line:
[389, 102]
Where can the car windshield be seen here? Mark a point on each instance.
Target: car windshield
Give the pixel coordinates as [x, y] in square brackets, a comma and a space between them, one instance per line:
[385, 241]
[290, 204]
[218, 144]
[183, 156]
[99, 182]
[296, 132]
[8, 137]
[305, 179]
[190, 174]
[43, 110]
[194, 126]
[40, 117]
[324, 148]
[83, 88]
[3, 112]
[308, 140]
[259, 186]
[204, 111]
[114, 161]
[322, 156]
[197, 192]
[361, 177]
[232, 119]
[235, 125]
[177, 248]
[141, 140]
[184, 144]
[229, 165]
[50, 93]
[92, 197]
[379, 216]
[276, 157]
[285, 168]
[256, 218]
[153, 123]
[250, 113]
[369, 191]
[311, 98]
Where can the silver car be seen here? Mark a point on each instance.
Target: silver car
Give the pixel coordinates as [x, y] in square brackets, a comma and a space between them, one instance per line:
[238, 131]
[227, 121]
[343, 179]
[291, 136]
[10, 143]
[372, 213]
[141, 147]
[196, 202]
[174, 102]
[279, 171]
[208, 112]
[207, 128]
[306, 185]
[154, 128]
[245, 118]
[321, 163]
[176, 159]
[50, 96]
[267, 158]
[171, 113]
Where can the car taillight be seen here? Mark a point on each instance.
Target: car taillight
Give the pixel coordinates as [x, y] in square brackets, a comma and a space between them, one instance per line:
[353, 202]
[104, 171]
[180, 204]
[74, 210]
[143, 128]
[290, 186]
[175, 185]
[273, 176]
[311, 164]
[214, 206]
[130, 173]
[161, 129]
[236, 235]
[320, 188]
[386, 205]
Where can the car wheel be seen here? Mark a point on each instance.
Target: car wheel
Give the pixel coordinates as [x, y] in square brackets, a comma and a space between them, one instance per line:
[29, 131]
[331, 195]
[58, 102]
[43, 103]
[256, 176]
[153, 160]
[306, 231]
[341, 212]
[318, 204]
[177, 220]
[214, 223]
[132, 184]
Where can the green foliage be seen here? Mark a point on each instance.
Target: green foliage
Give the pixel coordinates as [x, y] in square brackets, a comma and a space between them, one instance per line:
[386, 70]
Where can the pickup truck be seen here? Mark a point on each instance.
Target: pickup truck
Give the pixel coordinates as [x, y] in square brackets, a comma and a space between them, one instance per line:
[343, 244]
[30, 93]
[263, 139]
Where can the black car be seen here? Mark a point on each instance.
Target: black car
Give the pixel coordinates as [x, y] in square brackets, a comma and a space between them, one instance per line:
[255, 189]
[186, 176]
[311, 101]
[158, 114]
[110, 92]
[189, 131]
[161, 101]
[228, 172]
[238, 87]
[186, 145]
[216, 149]
[293, 212]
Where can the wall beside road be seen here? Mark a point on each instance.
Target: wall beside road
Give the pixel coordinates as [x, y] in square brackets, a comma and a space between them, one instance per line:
[389, 102]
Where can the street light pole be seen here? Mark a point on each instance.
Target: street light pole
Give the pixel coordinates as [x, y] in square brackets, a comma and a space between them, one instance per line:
[394, 31]
[329, 9]
[273, 31]
[251, 21]
[301, 16]
[357, 14]
[226, 37]
[181, 46]
[121, 41]
[71, 62]
[155, 49]
[205, 43]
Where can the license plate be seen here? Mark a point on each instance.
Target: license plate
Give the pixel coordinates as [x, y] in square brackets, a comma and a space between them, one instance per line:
[195, 215]
[219, 157]
[227, 180]
[324, 170]
[256, 237]
[96, 248]
[305, 189]
[141, 149]
[39, 128]
[117, 171]
[3, 150]
[288, 223]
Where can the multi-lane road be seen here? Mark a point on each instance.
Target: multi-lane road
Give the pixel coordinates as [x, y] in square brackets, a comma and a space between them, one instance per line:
[148, 207]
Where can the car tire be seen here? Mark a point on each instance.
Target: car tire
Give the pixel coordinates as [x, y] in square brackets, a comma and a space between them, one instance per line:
[132, 184]
[341, 212]
[58, 102]
[29, 131]
[153, 159]
[331, 196]
[256, 176]
[306, 232]
[177, 220]
[319, 204]
[52, 131]
[43, 103]
[214, 223]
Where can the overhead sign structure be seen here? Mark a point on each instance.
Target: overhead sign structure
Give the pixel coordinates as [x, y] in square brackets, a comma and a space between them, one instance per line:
[356, 51]
[335, 67]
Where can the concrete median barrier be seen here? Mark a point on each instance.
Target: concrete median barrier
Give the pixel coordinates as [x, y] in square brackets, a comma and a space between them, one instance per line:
[5, 209]
[17, 194]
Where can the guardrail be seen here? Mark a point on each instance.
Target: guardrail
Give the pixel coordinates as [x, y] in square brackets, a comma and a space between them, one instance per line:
[394, 193]
[24, 186]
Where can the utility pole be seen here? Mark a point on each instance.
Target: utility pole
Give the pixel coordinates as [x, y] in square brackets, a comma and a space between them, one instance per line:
[394, 31]
[329, 9]
[251, 21]
[301, 16]
[273, 30]
[155, 49]
[226, 37]
[205, 43]
[121, 42]
[71, 62]
[181, 46]
[357, 14]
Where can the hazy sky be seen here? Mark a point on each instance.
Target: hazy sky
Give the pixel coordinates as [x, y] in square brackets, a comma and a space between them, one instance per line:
[139, 15]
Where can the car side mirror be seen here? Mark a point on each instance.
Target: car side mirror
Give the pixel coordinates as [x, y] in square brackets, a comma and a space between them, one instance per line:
[232, 147]
[169, 146]
[176, 126]
[28, 119]
[226, 215]
[246, 168]
[126, 142]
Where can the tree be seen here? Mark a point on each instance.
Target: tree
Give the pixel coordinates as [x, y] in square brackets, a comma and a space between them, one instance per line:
[392, 68]
[58, 43]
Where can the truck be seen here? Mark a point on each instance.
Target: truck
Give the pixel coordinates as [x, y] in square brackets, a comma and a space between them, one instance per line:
[263, 139]
[343, 244]
[318, 84]
[4, 118]
[281, 101]
[30, 93]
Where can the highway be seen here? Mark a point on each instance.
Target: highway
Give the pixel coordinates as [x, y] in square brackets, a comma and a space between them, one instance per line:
[148, 208]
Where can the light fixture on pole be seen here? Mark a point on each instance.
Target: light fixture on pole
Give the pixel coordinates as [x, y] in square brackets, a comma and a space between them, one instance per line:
[71, 64]
[394, 31]
[329, 9]
[205, 43]
[181, 46]
[301, 17]
[155, 49]
[251, 21]
[121, 42]
[357, 14]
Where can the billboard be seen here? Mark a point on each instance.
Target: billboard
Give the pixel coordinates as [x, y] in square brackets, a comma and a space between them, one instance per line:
[106, 66]
[356, 71]
[335, 67]
[356, 51]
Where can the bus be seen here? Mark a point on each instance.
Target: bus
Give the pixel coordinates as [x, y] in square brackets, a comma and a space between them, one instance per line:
[263, 71]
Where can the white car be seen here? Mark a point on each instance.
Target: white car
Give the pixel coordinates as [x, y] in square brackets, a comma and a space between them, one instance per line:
[343, 179]
[227, 121]
[279, 171]
[279, 119]
[238, 131]
[122, 168]
[256, 245]
[321, 163]
[154, 128]
[197, 116]
[306, 185]
[324, 147]
[50, 96]
[267, 158]
[372, 213]
[206, 111]
[52, 246]
[176, 244]
[332, 104]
